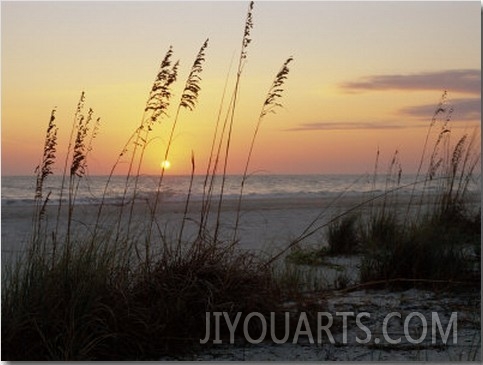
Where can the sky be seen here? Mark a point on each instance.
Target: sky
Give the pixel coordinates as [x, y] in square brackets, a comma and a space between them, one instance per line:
[366, 76]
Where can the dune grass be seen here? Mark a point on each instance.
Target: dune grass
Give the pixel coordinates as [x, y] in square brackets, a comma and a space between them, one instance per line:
[436, 239]
[124, 294]
[91, 303]
[439, 242]
[130, 292]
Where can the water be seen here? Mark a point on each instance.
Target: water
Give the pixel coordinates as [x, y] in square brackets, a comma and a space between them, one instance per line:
[19, 190]
[276, 208]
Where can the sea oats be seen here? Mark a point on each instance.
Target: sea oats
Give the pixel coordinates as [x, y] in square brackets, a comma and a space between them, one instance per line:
[192, 87]
[269, 105]
[44, 169]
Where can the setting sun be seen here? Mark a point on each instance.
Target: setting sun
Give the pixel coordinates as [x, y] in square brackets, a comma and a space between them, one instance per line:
[327, 155]
[165, 164]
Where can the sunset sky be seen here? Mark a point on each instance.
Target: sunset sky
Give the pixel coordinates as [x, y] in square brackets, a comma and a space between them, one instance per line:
[366, 75]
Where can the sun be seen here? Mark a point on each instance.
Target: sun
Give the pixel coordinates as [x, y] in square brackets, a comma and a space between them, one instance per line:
[165, 164]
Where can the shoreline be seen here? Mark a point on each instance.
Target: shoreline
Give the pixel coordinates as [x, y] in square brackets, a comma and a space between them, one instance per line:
[285, 217]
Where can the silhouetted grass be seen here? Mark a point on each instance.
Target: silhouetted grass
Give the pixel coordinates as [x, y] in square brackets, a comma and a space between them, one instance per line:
[436, 241]
[343, 236]
[272, 101]
[43, 170]
[101, 295]
[91, 304]
[431, 252]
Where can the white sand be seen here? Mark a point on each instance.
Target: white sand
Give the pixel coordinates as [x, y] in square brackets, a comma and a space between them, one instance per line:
[264, 224]
[378, 304]
[270, 225]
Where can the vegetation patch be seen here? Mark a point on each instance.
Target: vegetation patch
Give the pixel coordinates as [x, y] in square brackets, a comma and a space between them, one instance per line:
[122, 295]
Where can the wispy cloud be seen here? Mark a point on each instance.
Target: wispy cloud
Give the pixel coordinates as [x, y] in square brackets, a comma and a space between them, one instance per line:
[466, 81]
[333, 126]
[408, 117]
[464, 110]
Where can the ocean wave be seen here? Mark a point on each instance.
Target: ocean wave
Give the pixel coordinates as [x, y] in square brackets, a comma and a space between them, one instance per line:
[19, 190]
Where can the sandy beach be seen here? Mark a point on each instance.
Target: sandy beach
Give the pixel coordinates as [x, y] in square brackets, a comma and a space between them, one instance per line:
[378, 303]
[265, 224]
[268, 226]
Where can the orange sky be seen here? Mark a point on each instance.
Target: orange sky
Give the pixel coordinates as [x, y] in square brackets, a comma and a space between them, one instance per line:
[365, 75]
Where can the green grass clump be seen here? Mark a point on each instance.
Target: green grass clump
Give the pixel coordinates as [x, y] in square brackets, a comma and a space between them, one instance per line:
[58, 310]
[425, 254]
[307, 256]
[343, 236]
[381, 231]
[437, 241]
[90, 305]
[438, 248]
[178, 290]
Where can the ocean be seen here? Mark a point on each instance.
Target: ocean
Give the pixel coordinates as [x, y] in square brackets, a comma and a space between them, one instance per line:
[275, 209]
[20, 190]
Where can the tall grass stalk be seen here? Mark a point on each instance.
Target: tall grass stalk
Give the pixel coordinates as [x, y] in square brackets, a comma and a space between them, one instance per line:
[189, 100]
[459, 171]
[374, 175]
[156, 107]
[77, 117]
[231, 111]
[393, 179]
[107, 184]
[441, 108]
[210, 174]
[159, 102]
[43, 170]
[269, 106]
[214, 174]
[188, 198]
[78, 166]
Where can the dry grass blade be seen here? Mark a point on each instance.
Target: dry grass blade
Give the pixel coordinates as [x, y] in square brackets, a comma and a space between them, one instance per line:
[77, 117]
[192, 87]
[44, 169]
[188, 198]
[79, 161]
[458, 154]
[94, 134]
[271, 102]
[188, 100]
[156, 107]
[158, 101]
[246, 34]
[441, 108]
[231, 113]
[275, 92]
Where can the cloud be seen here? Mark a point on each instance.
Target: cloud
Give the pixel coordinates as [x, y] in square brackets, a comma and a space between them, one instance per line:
[333, 126]
[465, 81]
[464, 110]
